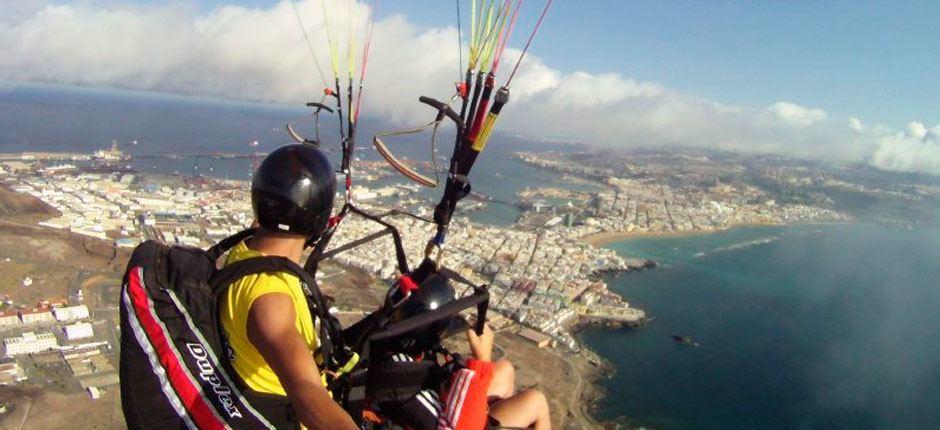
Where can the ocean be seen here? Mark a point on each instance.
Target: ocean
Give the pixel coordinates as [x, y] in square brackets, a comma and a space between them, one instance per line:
[814, 326]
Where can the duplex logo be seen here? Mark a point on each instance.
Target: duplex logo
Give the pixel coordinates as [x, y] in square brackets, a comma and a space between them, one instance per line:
[208, 374]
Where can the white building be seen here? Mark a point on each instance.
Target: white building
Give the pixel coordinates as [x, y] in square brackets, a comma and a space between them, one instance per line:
[38, 315]
[80, 330]
[68, 313]
[363, 193]
[30, 343]
[11, 372]
[9, 318]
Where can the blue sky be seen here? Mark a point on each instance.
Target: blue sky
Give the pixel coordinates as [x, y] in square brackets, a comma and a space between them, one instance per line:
[878, 61]
[835, 80]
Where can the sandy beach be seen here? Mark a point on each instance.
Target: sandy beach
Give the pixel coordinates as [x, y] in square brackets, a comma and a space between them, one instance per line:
[604, 239]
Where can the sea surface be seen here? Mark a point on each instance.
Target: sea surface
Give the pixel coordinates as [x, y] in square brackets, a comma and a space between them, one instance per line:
[807, 327]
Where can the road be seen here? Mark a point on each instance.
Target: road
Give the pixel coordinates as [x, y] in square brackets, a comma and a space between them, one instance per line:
[29, 402]
[582, 414]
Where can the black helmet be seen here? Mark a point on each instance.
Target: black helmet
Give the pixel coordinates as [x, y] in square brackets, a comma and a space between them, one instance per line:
[433, 293]
[293, 189]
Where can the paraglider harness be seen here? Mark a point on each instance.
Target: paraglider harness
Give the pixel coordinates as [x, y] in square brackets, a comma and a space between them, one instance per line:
[174, 365]
[379, 388]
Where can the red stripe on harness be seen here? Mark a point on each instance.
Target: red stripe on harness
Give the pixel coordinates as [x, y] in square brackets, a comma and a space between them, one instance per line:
[406, 284]
[188, 391]
[334, 220]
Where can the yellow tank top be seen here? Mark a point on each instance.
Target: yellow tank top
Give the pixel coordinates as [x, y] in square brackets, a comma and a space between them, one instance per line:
[237, 301]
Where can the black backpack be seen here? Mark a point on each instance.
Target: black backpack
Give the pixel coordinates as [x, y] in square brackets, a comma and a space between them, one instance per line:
[174, 369]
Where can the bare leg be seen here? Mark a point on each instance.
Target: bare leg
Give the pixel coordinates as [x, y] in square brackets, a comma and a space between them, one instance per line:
[528, 408]
[503, 384]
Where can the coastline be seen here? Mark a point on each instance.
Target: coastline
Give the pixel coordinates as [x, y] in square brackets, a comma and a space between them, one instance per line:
[606, 238]
[593, 369]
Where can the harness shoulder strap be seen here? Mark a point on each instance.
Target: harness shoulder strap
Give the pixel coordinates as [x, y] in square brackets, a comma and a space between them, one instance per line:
[270, 264]
[252, 266]
[224, 245]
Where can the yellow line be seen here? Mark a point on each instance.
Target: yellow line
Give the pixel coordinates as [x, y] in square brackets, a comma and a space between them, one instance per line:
[351, 60]
[485, 130]
[329, 36]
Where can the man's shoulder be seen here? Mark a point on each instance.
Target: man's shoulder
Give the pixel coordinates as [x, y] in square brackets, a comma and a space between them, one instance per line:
[268, 282]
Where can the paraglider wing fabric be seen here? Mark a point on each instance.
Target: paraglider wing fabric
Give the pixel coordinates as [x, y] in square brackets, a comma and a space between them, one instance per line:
[294, 135]
[401, 167]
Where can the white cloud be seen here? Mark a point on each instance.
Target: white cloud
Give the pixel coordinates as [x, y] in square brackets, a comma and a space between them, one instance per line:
[258, 54]
[796, 114]
[916, 130]
[855, 124]
[915, 150]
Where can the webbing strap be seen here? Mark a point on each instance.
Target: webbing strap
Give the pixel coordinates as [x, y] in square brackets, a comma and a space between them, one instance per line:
[353, 244]
[396, 381]
[228, 243]
[269, 264]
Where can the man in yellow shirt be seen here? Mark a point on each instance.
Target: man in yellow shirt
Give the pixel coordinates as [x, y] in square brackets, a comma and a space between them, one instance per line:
[271, 333]
[246, 360]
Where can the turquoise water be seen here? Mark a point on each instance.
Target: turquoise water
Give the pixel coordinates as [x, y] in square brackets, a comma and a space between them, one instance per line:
[802, 327]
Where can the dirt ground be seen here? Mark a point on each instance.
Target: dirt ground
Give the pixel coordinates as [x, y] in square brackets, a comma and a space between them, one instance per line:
[15, 204]
[57, 262]
[351, 288]
[37, 408]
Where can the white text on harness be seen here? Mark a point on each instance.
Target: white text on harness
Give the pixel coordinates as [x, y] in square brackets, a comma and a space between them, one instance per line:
[208, 373]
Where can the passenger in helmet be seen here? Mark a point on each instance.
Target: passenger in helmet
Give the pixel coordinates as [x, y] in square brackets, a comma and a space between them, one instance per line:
[435, 291]
[270, 330]
[478, 393]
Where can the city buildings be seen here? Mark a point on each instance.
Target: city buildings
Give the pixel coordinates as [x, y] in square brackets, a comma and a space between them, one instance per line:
[10, 371]
[539, 270]
[37, 316]
[9, 318]
[30, 343]
[69, 313]
[538, 339]
[82, 330]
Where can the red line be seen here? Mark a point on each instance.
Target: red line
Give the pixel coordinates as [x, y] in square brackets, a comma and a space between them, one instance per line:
[504, 38]
[365, 58]
[187, 390]
[481, 110]
[528, 42]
